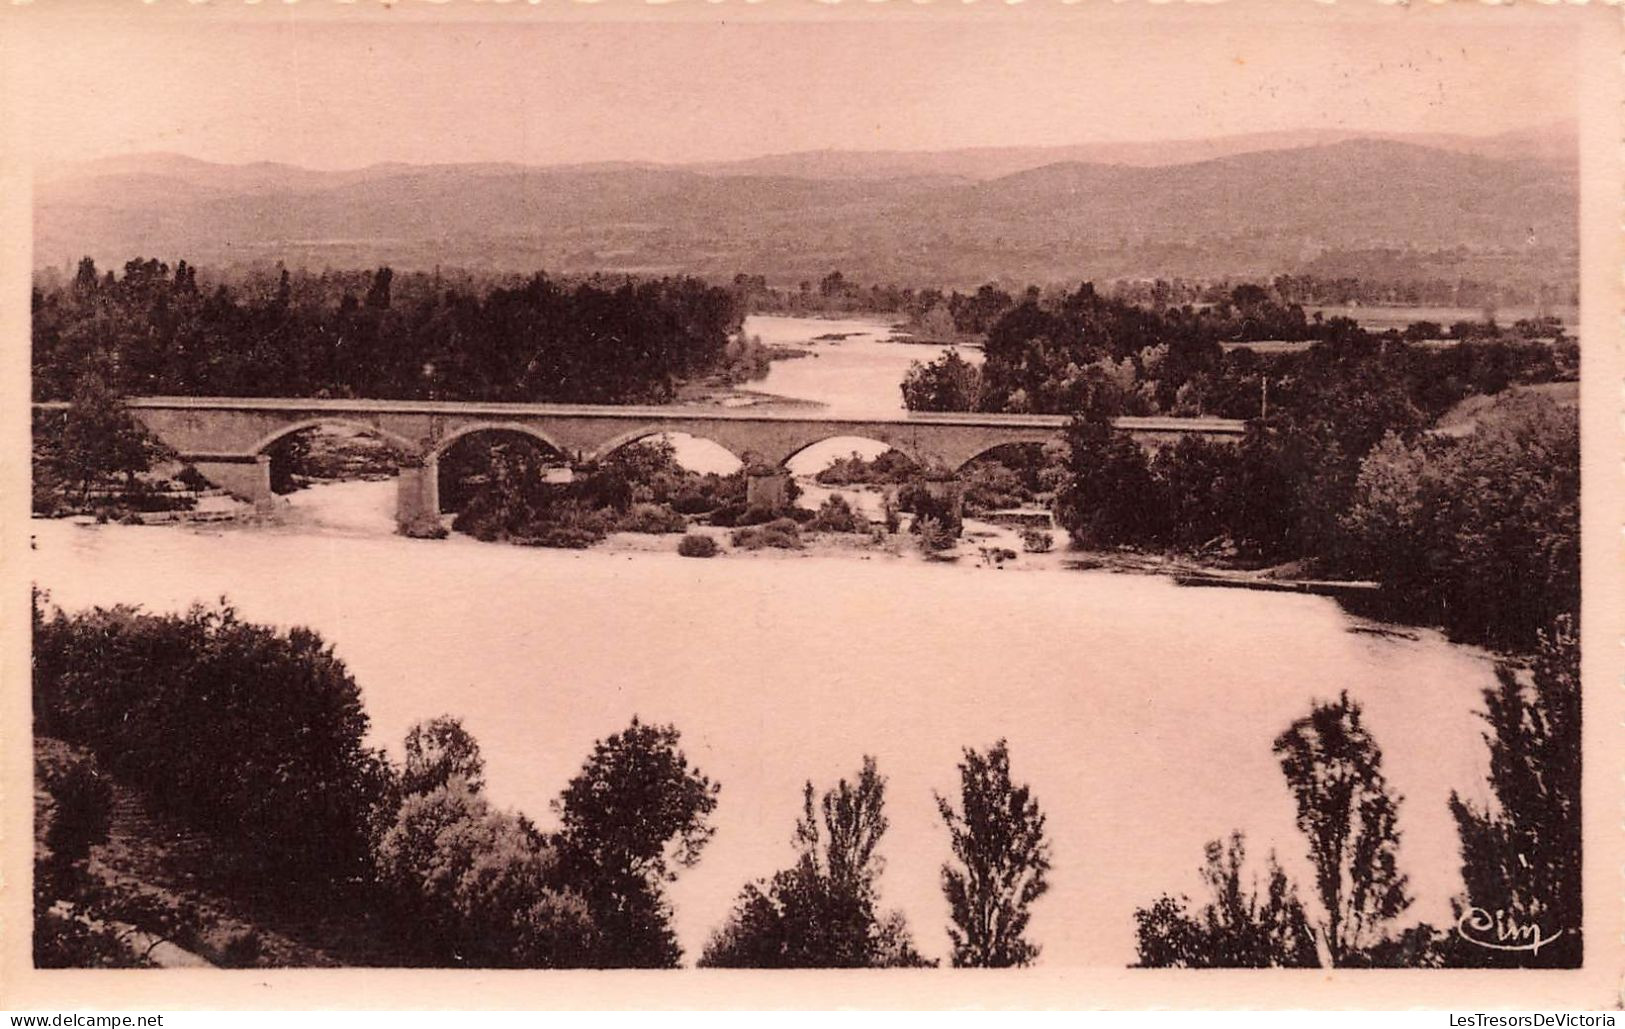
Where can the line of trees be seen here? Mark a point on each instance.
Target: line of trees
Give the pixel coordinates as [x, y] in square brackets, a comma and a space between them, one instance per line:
[1084, 351]
[155, 330]
[1346, 472]
[275, 769]
[1520, 857]
[944, 314]
[273, 766]
[1477, 532]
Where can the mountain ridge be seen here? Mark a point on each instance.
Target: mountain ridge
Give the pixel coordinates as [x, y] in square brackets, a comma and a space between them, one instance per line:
[1250, 212]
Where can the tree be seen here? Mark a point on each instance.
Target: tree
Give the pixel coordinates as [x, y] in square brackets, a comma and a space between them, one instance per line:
[1108, 492]
[100, 440]
[1482, 533]
[274, 760]
[1347, 812]
[821, 913]
[635, 814]
[437, 751]
[1521, 858]
[1237, 928]
[479, 887]
[949, 383]
[998, 839]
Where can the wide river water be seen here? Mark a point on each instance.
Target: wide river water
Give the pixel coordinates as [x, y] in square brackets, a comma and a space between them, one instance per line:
[1141, 712]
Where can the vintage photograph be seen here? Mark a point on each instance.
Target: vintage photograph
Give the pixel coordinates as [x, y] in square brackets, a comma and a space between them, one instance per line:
[751, 491]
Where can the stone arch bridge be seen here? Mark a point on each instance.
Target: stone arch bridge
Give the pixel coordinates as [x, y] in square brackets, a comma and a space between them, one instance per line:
[228, 438]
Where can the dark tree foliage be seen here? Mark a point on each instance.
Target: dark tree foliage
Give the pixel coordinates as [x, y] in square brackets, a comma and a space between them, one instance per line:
[70, 912]
[1109, 494]
[1315, 414]
[1521, 857]
[437, 751]
[948, 384]
[272, 726]
[1347, 813]
[406, 337]
[94, 442]
[1003, 860]
[480, 888]
[1238, 927]
[1480, 534]
[636, 814]
[822, 912]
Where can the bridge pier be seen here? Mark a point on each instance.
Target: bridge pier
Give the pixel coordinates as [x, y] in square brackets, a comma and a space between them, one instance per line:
[246, 478]
[767, 487]
[417, 499]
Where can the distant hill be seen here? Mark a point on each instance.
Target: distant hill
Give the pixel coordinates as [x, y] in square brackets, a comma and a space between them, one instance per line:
[1556, 143]
[1245, 205]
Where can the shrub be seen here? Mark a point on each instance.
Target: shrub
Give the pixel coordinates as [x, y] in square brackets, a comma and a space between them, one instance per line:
[697, 545]
[997, 556]
[241, 950]
[782, 534]
[652, 518]
[691, 502]
[934, 536]
[727, 516]
[561, 537]
[192, 479]
[990, 485]
[888, 468]
[1037, 541]
[836, 515]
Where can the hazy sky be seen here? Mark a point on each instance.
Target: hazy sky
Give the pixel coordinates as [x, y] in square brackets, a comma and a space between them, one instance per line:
[290, 85]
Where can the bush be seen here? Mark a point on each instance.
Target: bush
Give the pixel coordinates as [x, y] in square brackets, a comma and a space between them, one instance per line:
[917, 498]
[836, 515]
[561, 537]
[727, 516]
[1037, 541]
[652, 518]
[890, 467]
[989, 486]
[241, 950]
[934, 536]
[693, 503]
[192, 479]
[783, 534]
[697, 545]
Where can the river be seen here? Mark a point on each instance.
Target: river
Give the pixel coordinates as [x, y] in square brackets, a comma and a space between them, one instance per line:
[1142, 713]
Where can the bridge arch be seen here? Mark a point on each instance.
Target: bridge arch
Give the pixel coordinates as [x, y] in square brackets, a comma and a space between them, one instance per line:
[624, 439]
[918, 459]
[445, 442]
[409, 448]
[1038, 440]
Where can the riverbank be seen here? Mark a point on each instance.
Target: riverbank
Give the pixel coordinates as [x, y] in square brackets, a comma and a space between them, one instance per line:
[364, 507]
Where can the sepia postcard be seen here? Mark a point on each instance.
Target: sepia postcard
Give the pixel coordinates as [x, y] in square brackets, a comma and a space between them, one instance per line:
[803, 505]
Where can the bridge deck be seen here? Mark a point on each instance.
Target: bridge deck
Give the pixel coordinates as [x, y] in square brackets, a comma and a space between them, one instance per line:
[644, 413]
